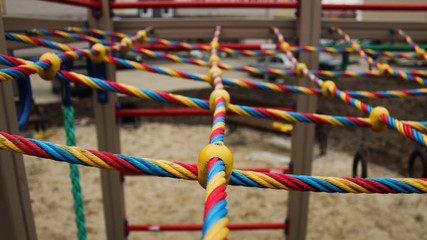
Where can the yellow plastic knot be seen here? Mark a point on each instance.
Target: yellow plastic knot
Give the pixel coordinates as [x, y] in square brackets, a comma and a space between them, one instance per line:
[99, 57]
[126, 43]
[355, 46]
[384, 68]
[300, 68]
[284, 46]
[142, 35]
[327, 87]
[214, 44]
[214, 150]
[214, 58]
[55, 65]
[375, 117]
[219, 93]
[212, 71]
[420, 52]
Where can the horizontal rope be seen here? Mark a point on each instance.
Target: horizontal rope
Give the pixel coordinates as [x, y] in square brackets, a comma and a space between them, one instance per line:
[233, 82]
[275, 72]
[163, 168]
[15, 72]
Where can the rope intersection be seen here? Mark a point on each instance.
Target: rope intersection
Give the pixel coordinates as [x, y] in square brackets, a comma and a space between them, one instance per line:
[214, 169]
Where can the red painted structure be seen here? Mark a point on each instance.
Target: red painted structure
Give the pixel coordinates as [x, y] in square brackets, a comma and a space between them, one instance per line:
[197, 227]
[95, 4]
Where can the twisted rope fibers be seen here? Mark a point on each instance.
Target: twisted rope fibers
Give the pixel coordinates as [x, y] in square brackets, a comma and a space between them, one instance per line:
[395, 124]
[276, 72]
[74, 174]
[194, 102]
[384, 68]
[421, 53]
[411, 133]
[163, 168]
[215, 218]
[232, 82]
[91, 31]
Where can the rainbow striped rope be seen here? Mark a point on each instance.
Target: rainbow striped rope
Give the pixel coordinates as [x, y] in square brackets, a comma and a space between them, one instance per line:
[155, 54]
[421, 53]
[215, 218]
[232, 82]
[330, 90]
[383, 68]
[91, 52]
[90, 31]
[179, 170]
[23, 70]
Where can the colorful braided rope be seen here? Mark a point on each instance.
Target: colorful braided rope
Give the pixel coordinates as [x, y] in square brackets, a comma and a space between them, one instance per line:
[421, 53]
[231, 51]
[215, 218]
[163, 168]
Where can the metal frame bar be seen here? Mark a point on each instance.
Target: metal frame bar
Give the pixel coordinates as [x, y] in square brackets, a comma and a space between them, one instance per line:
[197, 4]
[16, 218]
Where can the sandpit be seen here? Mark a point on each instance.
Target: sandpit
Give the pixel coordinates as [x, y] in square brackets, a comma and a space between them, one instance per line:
[153, 200]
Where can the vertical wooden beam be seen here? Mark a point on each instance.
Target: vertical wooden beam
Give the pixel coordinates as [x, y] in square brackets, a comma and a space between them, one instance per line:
[16, 218]
[108, 140]
[308, 28]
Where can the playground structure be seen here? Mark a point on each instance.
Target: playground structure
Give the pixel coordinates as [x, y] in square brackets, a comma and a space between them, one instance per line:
[308, 27]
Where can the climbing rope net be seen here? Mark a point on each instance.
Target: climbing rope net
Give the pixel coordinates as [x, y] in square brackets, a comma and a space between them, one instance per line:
[214, 169]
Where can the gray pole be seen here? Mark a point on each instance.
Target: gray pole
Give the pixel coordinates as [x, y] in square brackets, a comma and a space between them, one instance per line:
[16, 218]
[108, 140]
[308, 29]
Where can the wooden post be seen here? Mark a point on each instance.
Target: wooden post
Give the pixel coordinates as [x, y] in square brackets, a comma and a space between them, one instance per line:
[108, 140]
[16, 218]
[308, 28]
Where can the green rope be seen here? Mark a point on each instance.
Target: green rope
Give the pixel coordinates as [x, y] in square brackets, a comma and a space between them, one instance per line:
[74, 173]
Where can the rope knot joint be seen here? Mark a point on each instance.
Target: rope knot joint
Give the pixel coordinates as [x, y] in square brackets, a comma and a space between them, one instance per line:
[126, 43]
[214, 150]
[375, 118]
[212, 73]
[327, 88]
[100, 53]
[300, 69]
[216, 94]
[55, 65]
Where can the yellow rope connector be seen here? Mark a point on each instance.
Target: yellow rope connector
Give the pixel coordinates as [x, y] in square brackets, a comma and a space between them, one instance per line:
[55, 61]
[142, 36]
[375, 118]
[327, 87]
[100, 56]
[420, 52]
[214, 44]
[127, 44]
[300, 68]
[384, 68]
[284, 46]
[355, 46]
[212, 71]
[219, 93]
[214, 150]
[214, 58]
